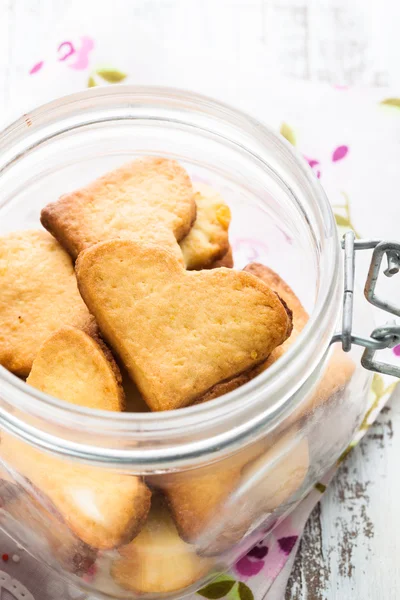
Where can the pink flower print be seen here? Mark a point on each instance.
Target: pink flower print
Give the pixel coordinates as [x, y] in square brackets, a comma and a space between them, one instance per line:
[251, 564]
[258, 551]
[36, 67]
[278, 555]
[281, 544]
[74, 57]
[67, 49]
[286, 544]
[339, 153]
[81, 55]
[396, 350]
[250, 248]
[314, 164]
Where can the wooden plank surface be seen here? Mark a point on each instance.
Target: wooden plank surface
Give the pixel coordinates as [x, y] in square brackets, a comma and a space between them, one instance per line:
[351, 546]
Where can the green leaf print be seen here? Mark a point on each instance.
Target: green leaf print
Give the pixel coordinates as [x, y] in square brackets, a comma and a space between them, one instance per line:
[245, 592]
[345, 220]
[288, 133]
[392, 102]
[344, 454]
[378, 386]
[320, 487]
[91, 82]
[379, 390]
[342, 221]
[217, 589]
[111, 75]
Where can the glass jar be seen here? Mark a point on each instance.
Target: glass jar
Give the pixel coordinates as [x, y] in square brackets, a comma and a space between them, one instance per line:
[220, 474]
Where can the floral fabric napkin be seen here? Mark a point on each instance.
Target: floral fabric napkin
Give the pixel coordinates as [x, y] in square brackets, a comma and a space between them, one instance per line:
[351, 139]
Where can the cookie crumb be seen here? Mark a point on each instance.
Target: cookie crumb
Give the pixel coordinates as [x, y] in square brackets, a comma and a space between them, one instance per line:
[16, 558]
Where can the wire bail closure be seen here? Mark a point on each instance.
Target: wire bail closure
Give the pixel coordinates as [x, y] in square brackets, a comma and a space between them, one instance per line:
[387, 336]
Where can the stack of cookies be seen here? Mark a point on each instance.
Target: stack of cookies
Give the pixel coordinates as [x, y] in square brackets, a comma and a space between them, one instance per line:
[129, 302]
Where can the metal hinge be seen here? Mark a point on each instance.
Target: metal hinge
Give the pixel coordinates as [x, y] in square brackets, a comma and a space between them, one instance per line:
[387, 336]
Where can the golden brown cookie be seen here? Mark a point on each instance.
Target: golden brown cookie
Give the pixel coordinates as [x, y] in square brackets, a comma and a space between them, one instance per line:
[195, 497]
[158, 560]
[150, 199]
[207, 505]
[103, 508]
[73, 366]
[178, 332]
[38, 295]
[208, 240]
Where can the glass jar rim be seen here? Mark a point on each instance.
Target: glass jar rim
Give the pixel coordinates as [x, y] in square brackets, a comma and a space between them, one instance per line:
[235, 417]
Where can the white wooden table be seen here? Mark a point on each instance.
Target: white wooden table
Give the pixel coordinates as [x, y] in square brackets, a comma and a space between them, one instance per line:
[351, 546]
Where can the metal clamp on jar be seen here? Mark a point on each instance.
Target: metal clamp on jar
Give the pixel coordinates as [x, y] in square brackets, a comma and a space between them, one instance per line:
[386, 336]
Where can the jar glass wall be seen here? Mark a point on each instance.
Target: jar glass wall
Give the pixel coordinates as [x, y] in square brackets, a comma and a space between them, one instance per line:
[76, 482]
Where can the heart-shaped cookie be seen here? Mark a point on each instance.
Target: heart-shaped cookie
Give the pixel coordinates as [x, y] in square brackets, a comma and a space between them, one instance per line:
[178, 332]
[150, 199]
